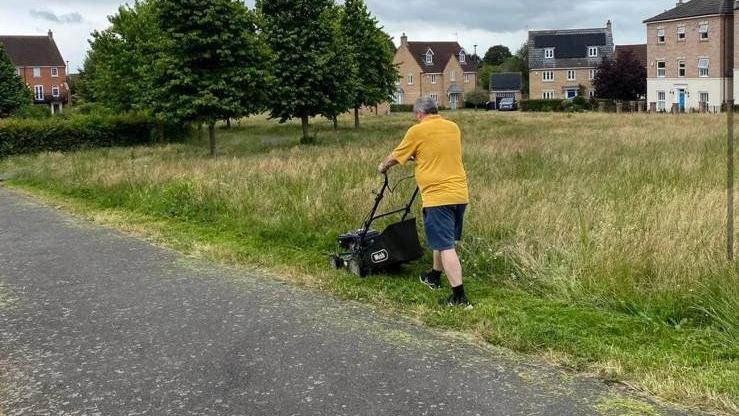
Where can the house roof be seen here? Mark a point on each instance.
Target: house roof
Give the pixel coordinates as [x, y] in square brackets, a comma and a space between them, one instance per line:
[570, 47]
[442, 52]
[695, 8]
[32, 50]
[639, 52]
[507, 81]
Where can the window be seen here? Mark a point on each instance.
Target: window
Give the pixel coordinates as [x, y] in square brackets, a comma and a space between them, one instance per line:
[409, 78]
[466, 78]
[592, 52]
[592, 74]
[660, 36]
[704, 97]
[681, 69]
[703, 67]
[571, 75]
[547, 76]
[433, 78]
[429, 57]
[36, 72]
[661, 101]
[591, 94]
[452, 76]
[703, 31]
[434, 97]
[38, 92]
[18, 71]
[462, 57]
[571, 94]
[661, 69]
[547, 95]
[54, 71]
[549, 53]
[681, 33]
[55, 90]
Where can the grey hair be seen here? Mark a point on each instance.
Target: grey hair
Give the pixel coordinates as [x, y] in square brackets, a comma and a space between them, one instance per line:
[425, 105]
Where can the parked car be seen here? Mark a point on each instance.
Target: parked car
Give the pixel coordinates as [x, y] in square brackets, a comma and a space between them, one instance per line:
[507, 104]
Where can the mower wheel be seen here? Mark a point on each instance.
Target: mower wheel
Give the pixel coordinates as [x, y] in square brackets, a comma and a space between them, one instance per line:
[357, 268]
[335, 262]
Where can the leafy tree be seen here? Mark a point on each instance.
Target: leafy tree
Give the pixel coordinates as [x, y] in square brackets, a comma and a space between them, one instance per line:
[496, 55]
[622, 79]
[13, 94]
[376, 75]
[118, 69]
[344, 67]
[477, 97]
[212, 64]
[302, 41]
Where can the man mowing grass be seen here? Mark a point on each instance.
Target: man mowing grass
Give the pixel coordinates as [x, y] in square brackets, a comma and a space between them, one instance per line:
[436, 146]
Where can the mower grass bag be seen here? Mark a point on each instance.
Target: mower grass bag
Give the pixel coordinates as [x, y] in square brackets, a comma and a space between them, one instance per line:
[366, 251]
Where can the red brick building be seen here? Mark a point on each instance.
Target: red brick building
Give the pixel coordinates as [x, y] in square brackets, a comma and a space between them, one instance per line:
[41, 67]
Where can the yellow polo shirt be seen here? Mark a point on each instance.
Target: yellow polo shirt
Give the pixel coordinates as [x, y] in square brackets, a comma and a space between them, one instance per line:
[436, 146]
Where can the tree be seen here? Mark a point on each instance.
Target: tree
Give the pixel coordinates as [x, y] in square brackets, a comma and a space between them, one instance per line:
[622, 79]
[302, 40]
[369, 47]
[13, 94]
[343, 65]
[478, 97]
[211, 68]
[496, 55]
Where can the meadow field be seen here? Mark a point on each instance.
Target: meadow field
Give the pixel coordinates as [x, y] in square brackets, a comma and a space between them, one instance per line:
[595, 241]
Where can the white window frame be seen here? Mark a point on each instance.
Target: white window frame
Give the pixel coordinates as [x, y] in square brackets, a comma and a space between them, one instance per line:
[661, 102]
[54, 71]
[592, 74]
[682, 34]
[591, 93]
[434, 97]
[466, 78]
[547, 95]
[429, 57]
[18, 71]
[462, 57]
[682, 66]
[661, 35]
[664, 69]
[547, 76]
[703, 34]
[592, 51]
[37, 72]
[409, 78]
[452, 76]
[54, 90]
[571, 75]
[701, 94]
[549, 53]
[704, 70]
[38, 92]
[433, 78]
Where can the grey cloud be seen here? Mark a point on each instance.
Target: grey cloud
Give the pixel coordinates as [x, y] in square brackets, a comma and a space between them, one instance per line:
[53, 17]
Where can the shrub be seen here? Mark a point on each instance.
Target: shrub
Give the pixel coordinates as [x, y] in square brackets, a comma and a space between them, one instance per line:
[401, 108]
[62, 134]
[541, 105]
[32, 111]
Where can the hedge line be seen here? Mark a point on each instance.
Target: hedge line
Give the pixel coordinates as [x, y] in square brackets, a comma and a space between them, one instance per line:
[577, 104]
[62, 134]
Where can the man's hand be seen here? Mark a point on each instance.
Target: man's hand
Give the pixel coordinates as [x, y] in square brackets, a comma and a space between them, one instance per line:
[386, 164]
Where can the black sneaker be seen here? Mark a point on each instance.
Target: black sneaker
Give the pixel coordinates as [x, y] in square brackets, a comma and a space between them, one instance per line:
[427, 279]
[453, 302]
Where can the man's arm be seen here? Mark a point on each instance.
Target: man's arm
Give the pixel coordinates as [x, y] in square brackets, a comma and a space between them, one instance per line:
[386, 164]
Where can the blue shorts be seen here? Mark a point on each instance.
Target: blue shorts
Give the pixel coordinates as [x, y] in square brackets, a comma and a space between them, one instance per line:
[443, 226]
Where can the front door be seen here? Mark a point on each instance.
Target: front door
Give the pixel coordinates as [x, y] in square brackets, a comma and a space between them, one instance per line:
[453, 99]
[681, 100]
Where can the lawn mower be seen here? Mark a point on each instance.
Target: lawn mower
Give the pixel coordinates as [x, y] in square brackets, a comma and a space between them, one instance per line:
[366, 251]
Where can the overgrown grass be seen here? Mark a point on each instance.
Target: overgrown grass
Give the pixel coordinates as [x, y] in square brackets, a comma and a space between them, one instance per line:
[594, 240]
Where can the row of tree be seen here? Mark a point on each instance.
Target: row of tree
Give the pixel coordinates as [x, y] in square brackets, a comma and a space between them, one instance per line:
[202, 61]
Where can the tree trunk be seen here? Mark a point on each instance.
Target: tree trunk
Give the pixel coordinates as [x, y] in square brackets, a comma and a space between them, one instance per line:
[356, 117]
[200, 131]
[336, 123]
[160, 131]
[212, 136]
[306, 138]
[228, 123]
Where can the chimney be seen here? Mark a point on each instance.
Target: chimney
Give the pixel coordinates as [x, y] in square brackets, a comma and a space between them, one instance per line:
[609, 25]
[51, 34]
[679, 3]
[404, 40]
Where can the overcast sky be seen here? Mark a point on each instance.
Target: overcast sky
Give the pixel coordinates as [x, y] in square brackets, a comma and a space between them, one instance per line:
[472, 22]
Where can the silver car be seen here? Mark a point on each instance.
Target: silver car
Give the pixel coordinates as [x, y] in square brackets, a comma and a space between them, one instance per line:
[507, 104]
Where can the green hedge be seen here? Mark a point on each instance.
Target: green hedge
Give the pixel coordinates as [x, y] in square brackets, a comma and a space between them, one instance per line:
[401, 108]
[578, 104]
[62, 134]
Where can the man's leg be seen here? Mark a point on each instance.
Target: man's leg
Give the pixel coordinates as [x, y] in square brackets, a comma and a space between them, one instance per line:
[452, 266]
[438, 265]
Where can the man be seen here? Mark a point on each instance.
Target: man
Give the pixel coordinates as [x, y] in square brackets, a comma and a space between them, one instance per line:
[436, 146]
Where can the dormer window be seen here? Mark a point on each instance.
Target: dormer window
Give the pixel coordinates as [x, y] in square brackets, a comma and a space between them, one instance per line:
[429, 57]
[462, 57]
[549, 53]
[592, 51]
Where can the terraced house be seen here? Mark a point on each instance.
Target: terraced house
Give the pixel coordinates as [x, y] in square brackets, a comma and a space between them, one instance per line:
[440, 70]
[41, 67]
[563, 63]
[690, 53]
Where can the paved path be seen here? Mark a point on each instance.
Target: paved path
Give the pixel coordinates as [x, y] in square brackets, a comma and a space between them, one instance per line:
[93, 322]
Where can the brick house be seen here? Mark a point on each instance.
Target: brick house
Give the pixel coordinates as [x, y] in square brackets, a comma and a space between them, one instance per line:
[41, 67]
[506, 85]
[690, 53]
[561, 62]
[441, 70]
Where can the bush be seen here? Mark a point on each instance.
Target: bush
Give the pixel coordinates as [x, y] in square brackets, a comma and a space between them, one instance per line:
[541, 105]
[62, 134]
[401, 108]
[33, 112]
